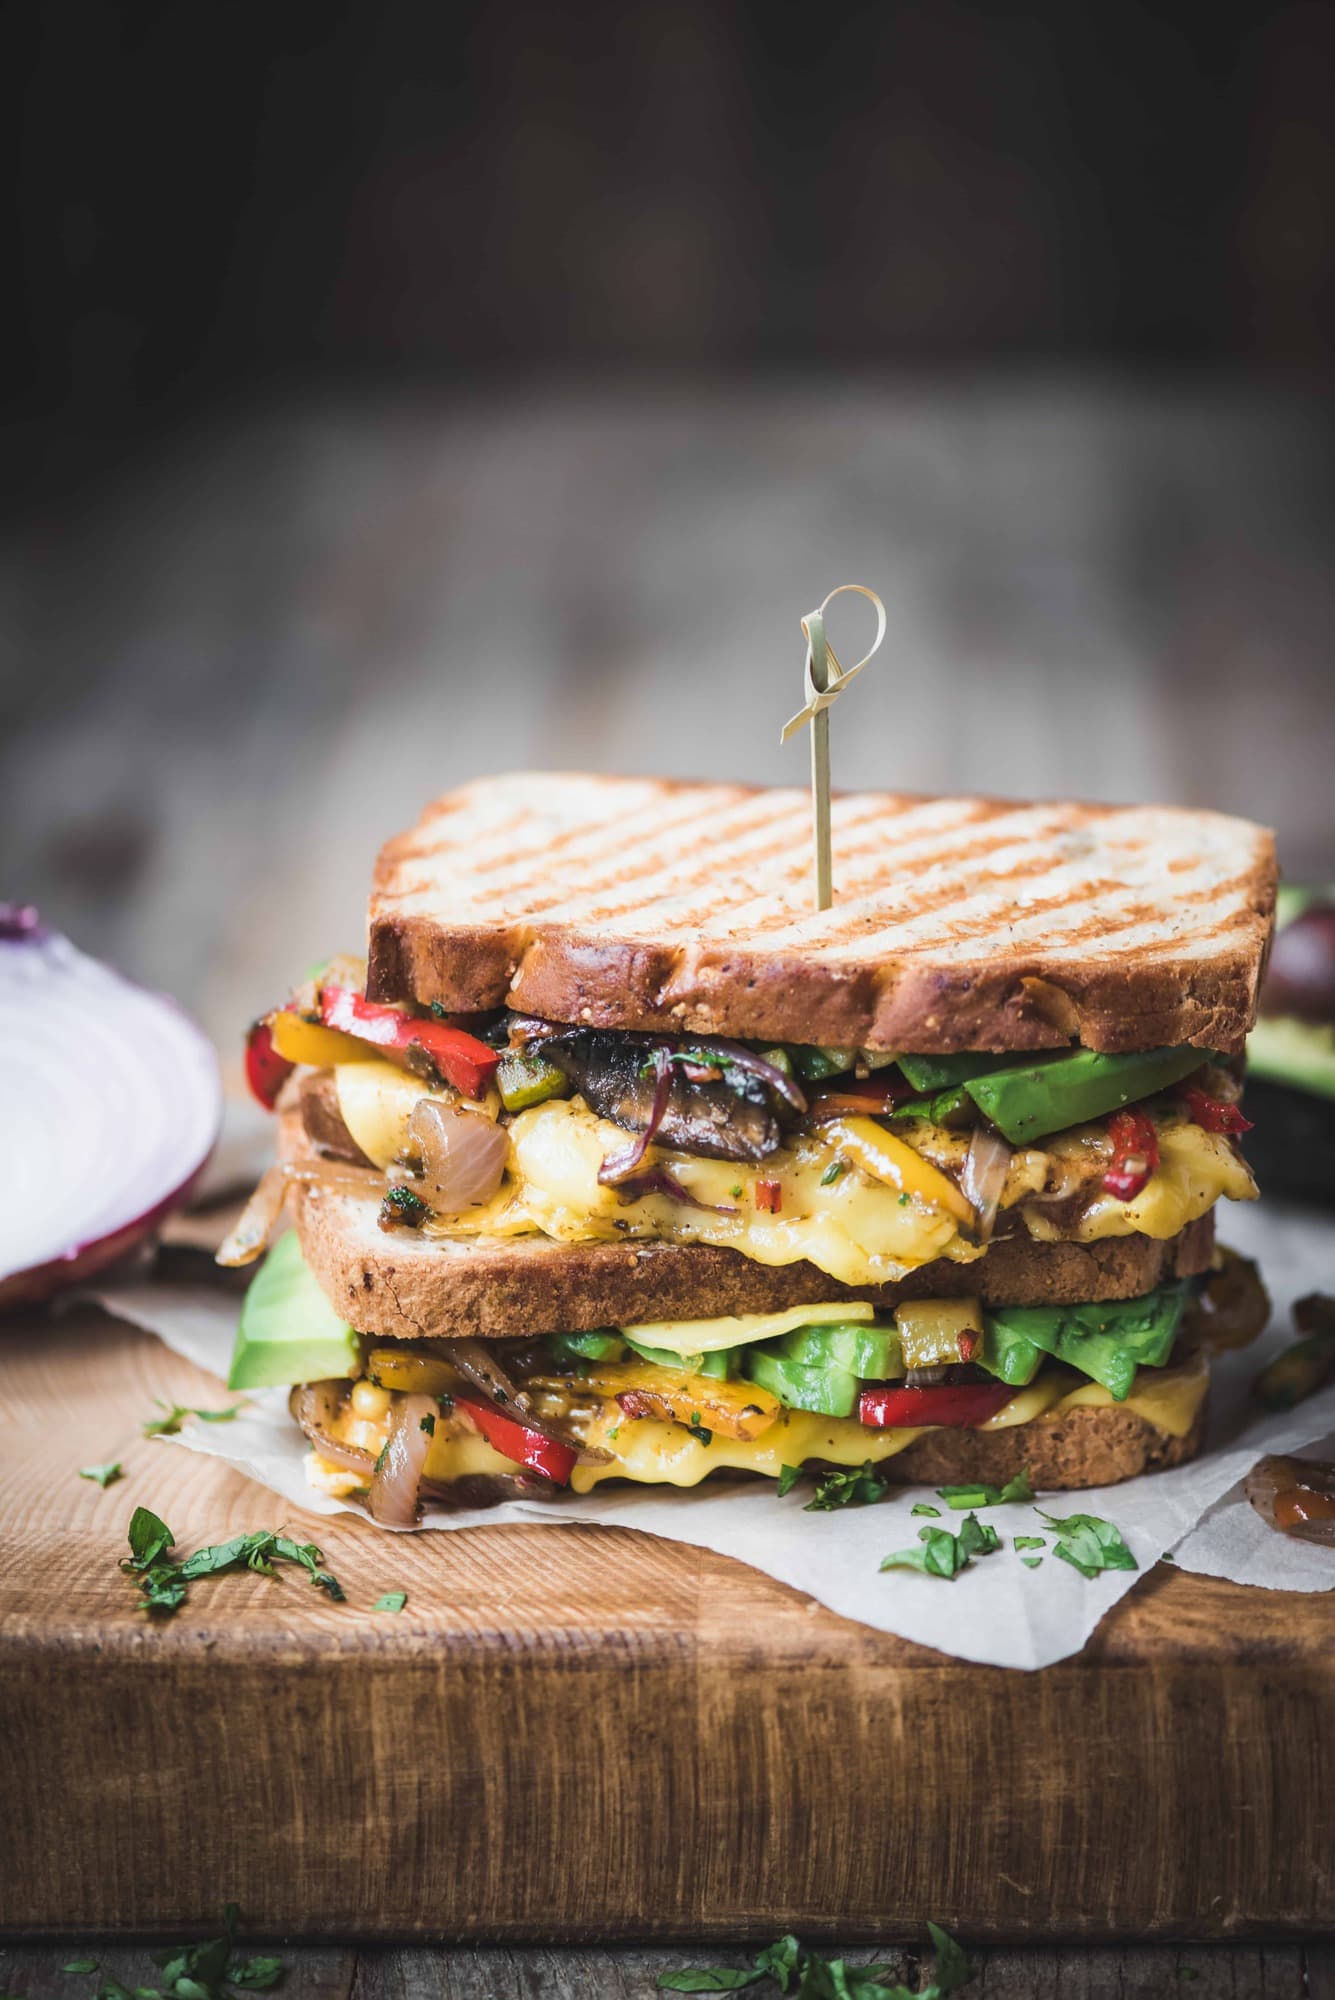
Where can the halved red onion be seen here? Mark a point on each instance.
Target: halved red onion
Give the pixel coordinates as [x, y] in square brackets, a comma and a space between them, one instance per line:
[396, 1482]
[984, 1177]
[112, 1104]
[463, 1154]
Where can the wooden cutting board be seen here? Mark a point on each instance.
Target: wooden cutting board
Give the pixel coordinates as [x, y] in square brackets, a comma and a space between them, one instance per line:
[592, 1733]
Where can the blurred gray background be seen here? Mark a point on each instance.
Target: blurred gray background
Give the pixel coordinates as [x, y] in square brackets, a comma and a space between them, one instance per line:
[407, 392]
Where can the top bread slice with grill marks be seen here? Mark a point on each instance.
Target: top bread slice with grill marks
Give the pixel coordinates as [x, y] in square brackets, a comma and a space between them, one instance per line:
[958, 923]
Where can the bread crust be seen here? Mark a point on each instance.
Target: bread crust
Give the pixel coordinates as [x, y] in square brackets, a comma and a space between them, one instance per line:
[403, 1286]
[1196, 981]
[1060, 1450]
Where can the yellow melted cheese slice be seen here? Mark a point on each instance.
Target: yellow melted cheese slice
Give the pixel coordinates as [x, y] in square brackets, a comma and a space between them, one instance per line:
[855, 1228]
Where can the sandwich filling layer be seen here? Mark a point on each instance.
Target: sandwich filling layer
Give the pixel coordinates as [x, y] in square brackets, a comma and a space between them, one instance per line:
[672, 1402]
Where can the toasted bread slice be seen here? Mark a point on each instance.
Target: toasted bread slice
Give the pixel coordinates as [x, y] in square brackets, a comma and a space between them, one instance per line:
[405, 1286]
[1065, 1449]
[958, 923]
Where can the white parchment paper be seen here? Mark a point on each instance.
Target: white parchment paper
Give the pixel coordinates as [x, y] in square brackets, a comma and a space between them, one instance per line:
[997, 1611]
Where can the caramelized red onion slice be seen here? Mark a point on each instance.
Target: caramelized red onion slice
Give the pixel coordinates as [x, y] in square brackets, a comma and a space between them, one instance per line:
[769, 1073]
[111, 1107]
[657, 1180]
[315, 1405]
[463, 1155]
[250, 1234]
[984, 1177]
[396, 1482]
[484, 1372]
[621, 1165]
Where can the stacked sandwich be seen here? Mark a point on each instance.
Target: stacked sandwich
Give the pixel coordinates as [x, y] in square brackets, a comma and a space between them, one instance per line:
[615, 1161]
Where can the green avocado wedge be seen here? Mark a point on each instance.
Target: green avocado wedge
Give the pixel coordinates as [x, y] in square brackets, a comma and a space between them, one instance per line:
[289, 1332]
[932, 1073]
[1049, 1094]
[716, 1366]
[1107, 1342]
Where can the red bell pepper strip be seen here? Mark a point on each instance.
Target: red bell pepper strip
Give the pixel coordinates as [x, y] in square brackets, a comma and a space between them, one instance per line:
[461, 1058]
[1135, 1145]
[1212, 1113]
[513, 1438]
[769, 1196]
[266, 1070]
[960, 1405]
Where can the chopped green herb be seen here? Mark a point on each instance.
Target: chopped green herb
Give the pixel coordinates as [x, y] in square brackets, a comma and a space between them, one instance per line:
[428, 1424]
[177, 1413]
[788, 1478]
[1030, 1542]
[697, 1429]
[393, 1600]
[904, 1200]
[1090, 1544]
[402, 1209]
[105, 1475]
[80, 1965]
[833, 1171]
[853, 1486]
[923, 1507]
[944, 1554]
[821, 1978]
[736, 1192]
[982, 1495]
[165, 1582]
[1031, 1562]
[613, 1434]
[382, 1457]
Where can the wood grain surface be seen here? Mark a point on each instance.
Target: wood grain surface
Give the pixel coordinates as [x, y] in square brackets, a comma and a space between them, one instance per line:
[594, 1734]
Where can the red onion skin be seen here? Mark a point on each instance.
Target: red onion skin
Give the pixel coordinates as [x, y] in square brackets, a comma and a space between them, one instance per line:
[621, 1165]
[34, 1287]
[396, 1483]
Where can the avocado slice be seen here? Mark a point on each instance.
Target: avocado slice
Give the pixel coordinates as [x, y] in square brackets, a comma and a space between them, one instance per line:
[872, 1353]
[601, 1344]
[1107, 1341]
[289, 1332]
[716, 1366]
[932, 1073]
[1047, 1096]
[824, 1387]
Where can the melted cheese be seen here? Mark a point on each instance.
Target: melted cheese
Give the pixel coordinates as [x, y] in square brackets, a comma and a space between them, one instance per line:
[709, 1336]
[856, 1228]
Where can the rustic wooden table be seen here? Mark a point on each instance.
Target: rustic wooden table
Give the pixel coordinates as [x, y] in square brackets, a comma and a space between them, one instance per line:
[481, 1972]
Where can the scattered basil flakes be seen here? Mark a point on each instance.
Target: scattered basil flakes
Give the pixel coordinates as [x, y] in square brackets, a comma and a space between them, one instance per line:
[943, 1554]
[820, 1978]
[982, 1495]
[177, 1413]
[164, 1582]
[393, 1600]
[1089, 1543]
[847, 1486]
[1029, 1542]
[923, 1508]
[105, 1475]
[207, 1971]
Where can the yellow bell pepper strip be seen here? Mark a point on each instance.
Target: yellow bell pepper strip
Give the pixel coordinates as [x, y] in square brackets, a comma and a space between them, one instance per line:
[733, 1409]
[887, 1158]
[411, 1374]
[302, 1041]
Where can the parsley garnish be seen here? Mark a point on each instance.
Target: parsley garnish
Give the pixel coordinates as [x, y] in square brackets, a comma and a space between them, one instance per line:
[207, 1971]
[80, 1965]
[832, 1172]
[981, 1495]
[1029, 1542]
[904, 1200]
[177, 1413]
[401, 1208]
[944, 1554]
[852, 1486]
[1032, 1562]
[736, 1191]
[923, 1508]
[393, 1600]
[164, 1582]
[1090, 1544]
[105, 1475]
[821, 1978]
[428, 1424]
[788, 1478]
[697, 1429]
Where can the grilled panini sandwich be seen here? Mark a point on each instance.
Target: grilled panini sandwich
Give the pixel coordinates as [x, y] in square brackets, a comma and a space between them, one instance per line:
[613, 1160]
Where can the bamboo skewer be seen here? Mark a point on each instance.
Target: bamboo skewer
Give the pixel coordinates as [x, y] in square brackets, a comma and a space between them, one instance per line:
[825, 680]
